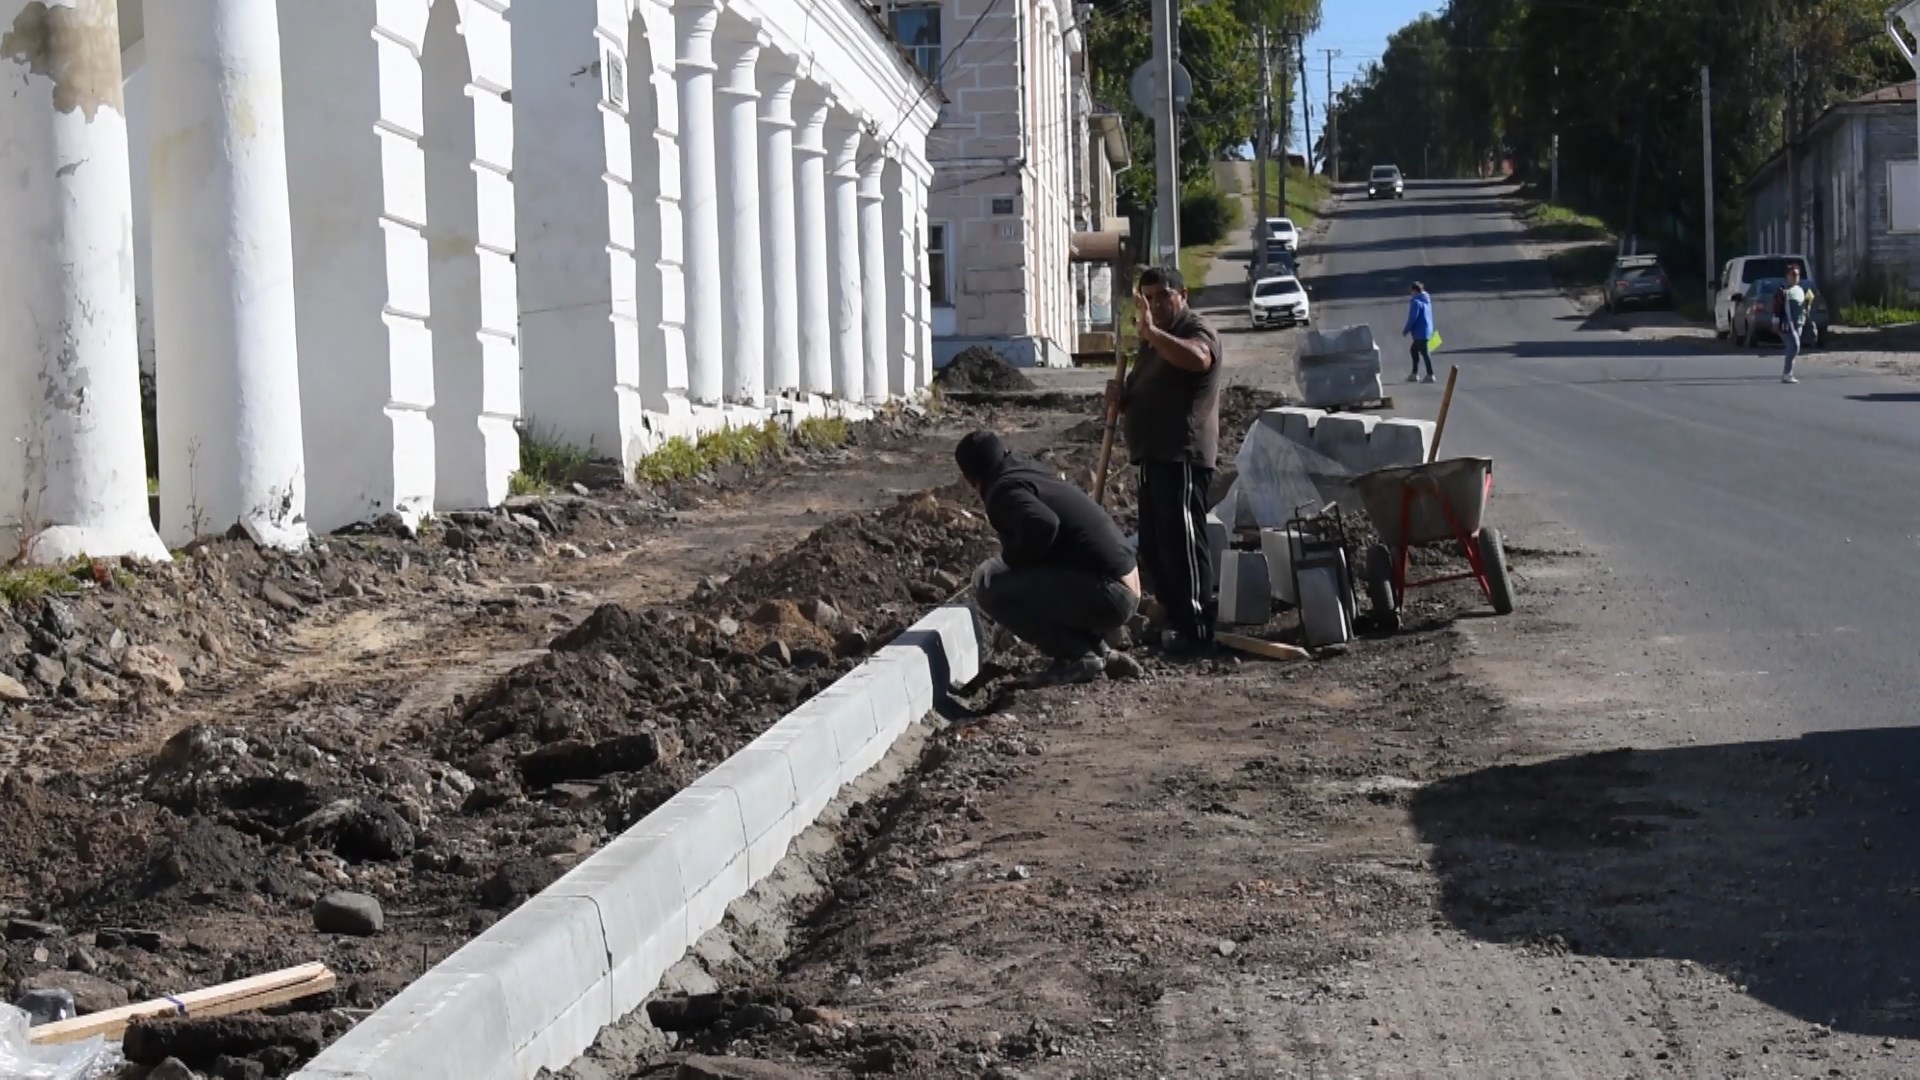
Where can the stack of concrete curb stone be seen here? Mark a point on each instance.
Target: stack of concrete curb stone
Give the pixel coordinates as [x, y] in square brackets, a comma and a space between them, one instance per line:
[534, 991]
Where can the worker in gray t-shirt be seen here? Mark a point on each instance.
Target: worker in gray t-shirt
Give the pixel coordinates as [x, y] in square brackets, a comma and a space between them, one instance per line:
[1170, 416]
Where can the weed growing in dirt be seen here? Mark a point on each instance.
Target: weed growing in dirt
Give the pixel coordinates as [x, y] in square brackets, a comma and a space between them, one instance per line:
[23, 584]
[822, 433]
[1876, 315]
[545, 464]
[677, 459]
[741, 445]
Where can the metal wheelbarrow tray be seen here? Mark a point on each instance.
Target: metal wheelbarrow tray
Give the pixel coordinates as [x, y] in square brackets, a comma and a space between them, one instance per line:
[1417, 505]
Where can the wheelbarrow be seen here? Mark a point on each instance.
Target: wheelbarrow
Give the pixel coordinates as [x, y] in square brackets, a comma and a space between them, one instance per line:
[1417, 505]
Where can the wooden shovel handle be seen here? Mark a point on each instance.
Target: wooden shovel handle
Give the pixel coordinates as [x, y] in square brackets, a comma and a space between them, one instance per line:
[1446, 402]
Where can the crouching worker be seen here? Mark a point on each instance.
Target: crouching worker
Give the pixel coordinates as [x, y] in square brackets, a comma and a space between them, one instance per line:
[1065, 577]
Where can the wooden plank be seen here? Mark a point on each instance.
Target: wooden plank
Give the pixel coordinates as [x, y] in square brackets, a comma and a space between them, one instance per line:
[243, 995]
[1271, 650]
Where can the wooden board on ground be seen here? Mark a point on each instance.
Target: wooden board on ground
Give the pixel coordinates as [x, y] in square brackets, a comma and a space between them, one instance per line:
[1271, 650]
[244, 995]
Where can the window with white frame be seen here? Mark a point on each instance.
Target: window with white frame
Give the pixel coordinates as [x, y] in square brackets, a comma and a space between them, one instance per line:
[1903, 196]
[917, 28]
[938, 275]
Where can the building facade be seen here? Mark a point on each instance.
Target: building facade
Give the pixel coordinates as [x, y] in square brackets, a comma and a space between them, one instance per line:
[1859, 220]
[376, 238]
[1001, 209]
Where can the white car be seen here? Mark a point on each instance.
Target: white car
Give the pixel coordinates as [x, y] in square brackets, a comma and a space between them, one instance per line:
[1279, 301]
[1280, 232]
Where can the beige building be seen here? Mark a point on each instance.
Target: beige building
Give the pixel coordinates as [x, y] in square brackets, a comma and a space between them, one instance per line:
[1009, 182]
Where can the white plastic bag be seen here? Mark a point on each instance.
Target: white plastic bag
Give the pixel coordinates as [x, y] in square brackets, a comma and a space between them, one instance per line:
[20, 1059]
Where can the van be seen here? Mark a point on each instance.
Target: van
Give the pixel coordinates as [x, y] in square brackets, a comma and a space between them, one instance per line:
[1741, 272]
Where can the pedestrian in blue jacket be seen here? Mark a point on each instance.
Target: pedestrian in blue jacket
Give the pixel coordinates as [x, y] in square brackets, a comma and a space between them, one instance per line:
[1420, 328]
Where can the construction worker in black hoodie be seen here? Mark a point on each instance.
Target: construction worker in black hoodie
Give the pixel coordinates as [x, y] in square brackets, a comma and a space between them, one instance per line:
[1065, 577]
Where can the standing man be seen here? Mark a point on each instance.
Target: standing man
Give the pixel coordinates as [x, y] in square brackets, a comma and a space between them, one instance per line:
[1420, 328]
[1791, 306]
[1064, 578]
[1170, 416]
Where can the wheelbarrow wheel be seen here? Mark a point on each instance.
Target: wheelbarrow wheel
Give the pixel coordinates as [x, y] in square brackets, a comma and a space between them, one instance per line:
[1386, 614]
[1493, 557]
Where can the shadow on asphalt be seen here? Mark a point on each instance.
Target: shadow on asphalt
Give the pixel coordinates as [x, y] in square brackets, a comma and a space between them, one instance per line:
[1569, 350]
[1416, 243]
[1468, 281]
[1786, 866]
[1885, 398]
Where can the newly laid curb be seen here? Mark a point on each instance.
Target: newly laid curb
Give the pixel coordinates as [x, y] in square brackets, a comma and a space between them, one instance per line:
[535, 990]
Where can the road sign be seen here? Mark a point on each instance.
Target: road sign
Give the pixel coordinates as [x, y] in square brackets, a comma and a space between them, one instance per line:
[1144, 88]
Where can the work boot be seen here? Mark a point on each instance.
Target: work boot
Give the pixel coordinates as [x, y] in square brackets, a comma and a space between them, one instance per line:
[1070, 672]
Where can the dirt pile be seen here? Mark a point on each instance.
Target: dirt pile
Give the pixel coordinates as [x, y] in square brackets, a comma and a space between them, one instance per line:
[980, 368]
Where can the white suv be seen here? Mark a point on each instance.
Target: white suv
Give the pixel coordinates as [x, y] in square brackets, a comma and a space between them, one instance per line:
[1385, 183]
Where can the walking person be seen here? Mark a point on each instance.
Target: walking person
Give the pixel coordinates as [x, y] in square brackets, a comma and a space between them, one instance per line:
[1420, 328]
[1791, 306]
[1170, 417]
[1064, 578]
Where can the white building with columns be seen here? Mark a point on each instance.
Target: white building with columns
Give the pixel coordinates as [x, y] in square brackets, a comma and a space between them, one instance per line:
[1009, 189]
[371, 238]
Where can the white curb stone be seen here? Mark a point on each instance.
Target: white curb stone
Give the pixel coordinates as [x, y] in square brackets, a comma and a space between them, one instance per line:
[535, 989]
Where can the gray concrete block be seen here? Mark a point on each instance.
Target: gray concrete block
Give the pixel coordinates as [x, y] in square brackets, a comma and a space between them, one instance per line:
[550, 957]
[443, 1024]
[761, 778]
[1295, 422]
[1343, 437]
[1246, 597]
[847, 708]
[1395, 442]
[1217, 536]
[643, 911]
[1277, 547]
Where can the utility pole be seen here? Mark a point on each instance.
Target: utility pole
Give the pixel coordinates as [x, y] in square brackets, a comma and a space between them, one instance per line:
[1166, 137]
[1286, 116]
[1553, 195]
[1262, 139]
[1792, 244]
[1333, 122]
[1306, 104]
[1706, 167]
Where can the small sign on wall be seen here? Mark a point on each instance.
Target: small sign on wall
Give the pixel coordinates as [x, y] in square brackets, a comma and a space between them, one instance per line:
[616, 69]
[1002, 206]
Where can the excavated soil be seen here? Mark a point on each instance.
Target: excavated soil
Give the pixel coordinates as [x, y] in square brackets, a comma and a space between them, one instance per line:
[981, 368]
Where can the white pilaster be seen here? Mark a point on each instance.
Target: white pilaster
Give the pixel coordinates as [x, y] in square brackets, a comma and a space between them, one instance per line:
[780, 261]
[923, 296]
[467, 68]
[356, 188]
[898, 275]
[228, 368]
[694, 22]
[742, 263]
[813, 250]
[846, 289]
[71, 457]
[873, 269]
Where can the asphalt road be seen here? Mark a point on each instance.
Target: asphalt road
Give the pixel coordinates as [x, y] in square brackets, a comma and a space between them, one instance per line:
[1769, 531]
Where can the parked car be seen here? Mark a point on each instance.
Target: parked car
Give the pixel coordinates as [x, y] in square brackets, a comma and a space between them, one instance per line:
[1753, 314]
[1739, 276]
[1386, 183]
[1279, 301]
[1279, 234]
[1279, 264]
[1638, 279]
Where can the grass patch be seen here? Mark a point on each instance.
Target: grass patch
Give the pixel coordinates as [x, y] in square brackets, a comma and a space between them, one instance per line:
[680, 459]
[1546, 221]
[25, 584]
[822, 433]
[1877, 315]
[545, 464]
[1306, 193]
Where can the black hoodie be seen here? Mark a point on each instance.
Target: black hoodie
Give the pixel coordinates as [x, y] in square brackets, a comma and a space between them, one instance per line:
[1044, 521]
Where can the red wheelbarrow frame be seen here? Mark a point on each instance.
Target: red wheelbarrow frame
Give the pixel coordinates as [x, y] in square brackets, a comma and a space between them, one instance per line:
[1469, 542]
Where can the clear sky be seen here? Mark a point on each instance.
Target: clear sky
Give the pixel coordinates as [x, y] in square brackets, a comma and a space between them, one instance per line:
[1358, 29]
